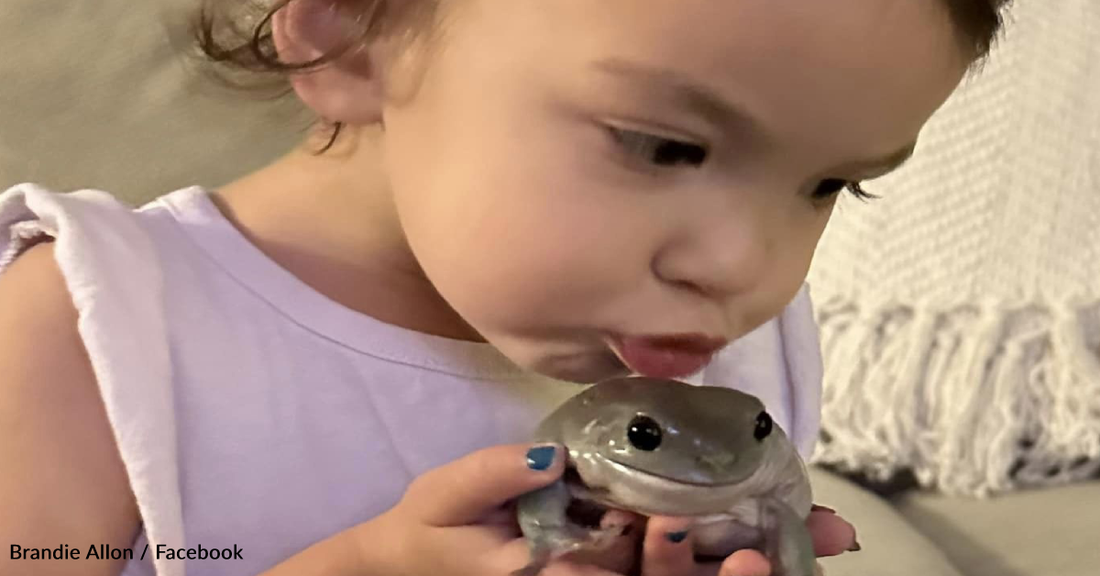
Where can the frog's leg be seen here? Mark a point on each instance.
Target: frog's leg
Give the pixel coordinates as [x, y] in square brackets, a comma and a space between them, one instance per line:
[787, 541]
[549, 532]
[542, 519]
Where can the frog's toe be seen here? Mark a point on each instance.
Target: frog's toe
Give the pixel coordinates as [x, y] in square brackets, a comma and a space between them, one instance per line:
[539, 559]
[604, 537]
[531, 569]
[579, 539]
[619, 518]
[568, 538]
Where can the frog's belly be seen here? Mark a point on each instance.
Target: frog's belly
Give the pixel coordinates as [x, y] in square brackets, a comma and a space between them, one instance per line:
[724, 533]
[716, 535]
[721, 535]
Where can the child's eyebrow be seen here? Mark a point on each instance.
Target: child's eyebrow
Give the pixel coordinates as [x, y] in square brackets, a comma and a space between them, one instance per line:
[692, 95]
[721, 112]
[885, 164]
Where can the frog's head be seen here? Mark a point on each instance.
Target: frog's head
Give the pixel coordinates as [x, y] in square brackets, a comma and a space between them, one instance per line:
[675, 432]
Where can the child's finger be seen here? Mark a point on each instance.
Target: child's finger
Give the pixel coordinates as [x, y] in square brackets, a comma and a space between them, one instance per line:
[832, 535]
[745, 563]
[466, 490]
[667, 548]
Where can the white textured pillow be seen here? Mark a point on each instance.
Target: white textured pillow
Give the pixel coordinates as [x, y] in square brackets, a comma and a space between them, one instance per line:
[960, 313]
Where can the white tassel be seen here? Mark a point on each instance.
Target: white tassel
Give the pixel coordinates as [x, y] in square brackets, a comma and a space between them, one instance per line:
[974, 400]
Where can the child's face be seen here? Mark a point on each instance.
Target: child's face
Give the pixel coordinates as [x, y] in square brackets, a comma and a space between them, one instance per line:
[548, 233]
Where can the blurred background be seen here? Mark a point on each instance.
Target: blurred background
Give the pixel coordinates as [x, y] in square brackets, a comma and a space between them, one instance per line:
[104, 95]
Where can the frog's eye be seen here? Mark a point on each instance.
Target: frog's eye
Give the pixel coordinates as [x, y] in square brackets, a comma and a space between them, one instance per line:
[763, 426]
[644, 433]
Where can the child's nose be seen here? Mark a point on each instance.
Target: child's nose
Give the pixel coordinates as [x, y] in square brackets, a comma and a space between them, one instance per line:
[722, 258]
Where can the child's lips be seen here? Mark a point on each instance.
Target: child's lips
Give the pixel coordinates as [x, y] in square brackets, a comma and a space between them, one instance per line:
[666, 356]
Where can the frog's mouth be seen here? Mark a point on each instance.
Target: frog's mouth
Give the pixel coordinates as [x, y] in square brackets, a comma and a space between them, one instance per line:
[585, 507]
[634, 471]
[630, 488]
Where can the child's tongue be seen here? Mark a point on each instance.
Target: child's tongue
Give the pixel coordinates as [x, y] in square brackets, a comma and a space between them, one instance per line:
[658, 361]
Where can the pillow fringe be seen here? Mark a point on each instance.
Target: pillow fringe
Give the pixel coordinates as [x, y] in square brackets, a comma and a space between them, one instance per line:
[972, 399]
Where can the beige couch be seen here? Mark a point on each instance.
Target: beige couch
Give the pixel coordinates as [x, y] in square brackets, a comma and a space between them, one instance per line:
[92, 94]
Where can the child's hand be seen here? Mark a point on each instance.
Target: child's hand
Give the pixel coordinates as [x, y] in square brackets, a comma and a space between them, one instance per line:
[832, 535]
[455, 520]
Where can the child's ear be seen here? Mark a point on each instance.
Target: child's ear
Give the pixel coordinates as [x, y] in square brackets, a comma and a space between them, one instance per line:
[349, 89]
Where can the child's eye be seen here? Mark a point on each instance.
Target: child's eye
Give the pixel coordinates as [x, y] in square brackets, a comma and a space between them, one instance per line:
[658, 150]
[829, 187]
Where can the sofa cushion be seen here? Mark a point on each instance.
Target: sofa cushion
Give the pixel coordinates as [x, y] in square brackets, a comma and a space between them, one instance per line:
[1049, 532]
[890, 545]
[96, 94]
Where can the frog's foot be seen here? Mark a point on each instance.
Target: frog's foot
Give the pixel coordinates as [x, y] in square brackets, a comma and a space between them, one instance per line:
[577, 538]
[601, 524]
[556, 522]
[539, 560]
[553, 542]
[601, 538]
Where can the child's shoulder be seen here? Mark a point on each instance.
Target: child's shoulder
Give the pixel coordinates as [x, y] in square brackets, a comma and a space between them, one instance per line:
[83, 351]
[105, 252]
[110, 254]
[78, 220]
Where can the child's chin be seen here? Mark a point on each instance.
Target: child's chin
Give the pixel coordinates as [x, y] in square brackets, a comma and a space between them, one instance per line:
[582, 369]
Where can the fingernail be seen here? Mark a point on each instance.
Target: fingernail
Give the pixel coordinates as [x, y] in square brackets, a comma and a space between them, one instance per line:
[676, 537]
[823, 509]
[540, 457]
[855, 547]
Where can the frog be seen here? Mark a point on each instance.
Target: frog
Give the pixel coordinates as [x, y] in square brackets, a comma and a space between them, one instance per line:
[665, 447]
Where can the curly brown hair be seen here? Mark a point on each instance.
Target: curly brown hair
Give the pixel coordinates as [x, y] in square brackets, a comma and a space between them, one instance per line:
[236, 34]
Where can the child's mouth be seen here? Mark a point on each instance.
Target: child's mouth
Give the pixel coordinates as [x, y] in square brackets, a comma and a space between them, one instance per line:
[660, 357]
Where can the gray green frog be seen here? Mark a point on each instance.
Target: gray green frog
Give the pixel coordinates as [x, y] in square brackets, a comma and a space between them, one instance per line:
[661, 447]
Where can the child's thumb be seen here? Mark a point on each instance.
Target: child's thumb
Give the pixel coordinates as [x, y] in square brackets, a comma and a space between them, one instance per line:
[467, 489]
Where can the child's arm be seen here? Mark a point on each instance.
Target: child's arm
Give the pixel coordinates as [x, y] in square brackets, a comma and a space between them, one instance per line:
[63, 479]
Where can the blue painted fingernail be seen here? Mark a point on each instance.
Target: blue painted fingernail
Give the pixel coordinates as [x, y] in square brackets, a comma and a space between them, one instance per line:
[540, 457]
[676, 537]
